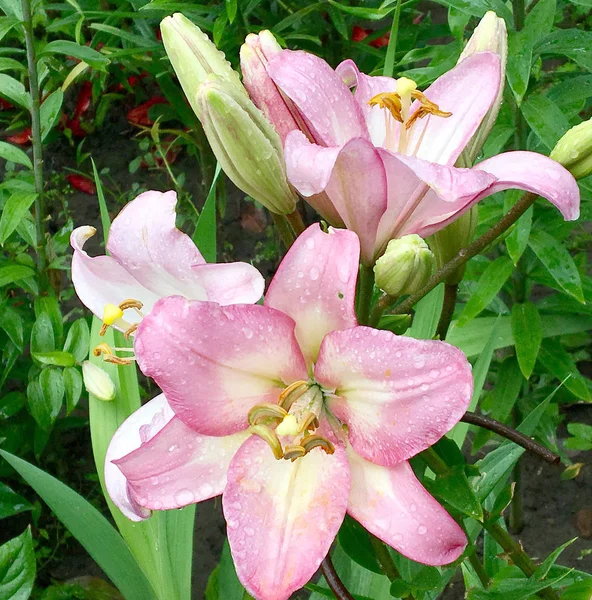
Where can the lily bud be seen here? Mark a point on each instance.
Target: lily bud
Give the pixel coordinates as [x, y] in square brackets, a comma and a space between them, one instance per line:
[405, 266]
[97, 382]
[255, 54]
[574, 150]
[245, 143]
[448, 242]
[194, 56]
[490, 35]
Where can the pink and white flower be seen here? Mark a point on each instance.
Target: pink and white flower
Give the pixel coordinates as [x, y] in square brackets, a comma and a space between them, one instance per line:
[386, 171]
[149, 258]
[296, 415]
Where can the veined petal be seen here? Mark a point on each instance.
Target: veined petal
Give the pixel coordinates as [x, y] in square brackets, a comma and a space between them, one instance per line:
[101, 280]
[393, 505]
[178, 466]
[315, 284]
[231, 283]
[327, 105]
[535, 173]
[282, 516]
[144, 240]
[214, 363]
[139, 427]
[467, 91]
[378, 120]
[352, 176]
[397, 395]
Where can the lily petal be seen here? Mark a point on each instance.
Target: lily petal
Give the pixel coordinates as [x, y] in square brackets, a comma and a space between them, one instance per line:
[139, 427]
[282, 516]
[467, 91]
[397, 395]
[332, 115]
[178, 466]
[231, 283]
[316, 285]
[214, 363]
[393, 505]
[352, 176]
[535, 173]
[100, 280]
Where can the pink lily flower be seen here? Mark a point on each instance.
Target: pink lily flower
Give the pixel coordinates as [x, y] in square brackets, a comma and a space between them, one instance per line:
[149, 258]
[296, 415]
[385, 155]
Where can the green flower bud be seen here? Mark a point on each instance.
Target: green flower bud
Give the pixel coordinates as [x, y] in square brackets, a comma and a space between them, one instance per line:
[405, 266]
[194, 56]
[97, 382]
[245, 143]
[448, 242]
[574, 150]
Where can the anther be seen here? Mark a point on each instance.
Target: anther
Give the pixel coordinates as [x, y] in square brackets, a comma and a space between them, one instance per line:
[391, 101]
[268, 435]
[102, 348]
[309, 422]
[131, 303]
[109, 356]
[130, 330]
[317, 441]
[266, 414]
[293, 452]
[292, 393]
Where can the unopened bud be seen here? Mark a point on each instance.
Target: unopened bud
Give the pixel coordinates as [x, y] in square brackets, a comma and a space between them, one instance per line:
[246, 145]
[405, 266]
[255, 54]
[490, 35]
[194, 56]
[574, 150]
[97, 382]
[448, 242]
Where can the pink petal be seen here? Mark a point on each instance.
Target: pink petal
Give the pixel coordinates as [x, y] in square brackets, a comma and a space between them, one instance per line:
[101, 280]
[214, 363]
[397, 395]
[393, 505]
[377, 119]
[352, 176]
[177, 466]
[467, 91]
[535, 173]
[231, 283]
[139, 427]
[316, 285]
[318, 92]
[282, 516]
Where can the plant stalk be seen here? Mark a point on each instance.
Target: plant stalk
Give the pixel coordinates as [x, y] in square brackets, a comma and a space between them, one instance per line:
[389, 61]
[295, 220]
[284, 229]
[450, 294]
[364, 294]
[478, 567]
[333, 581]
[35, 134]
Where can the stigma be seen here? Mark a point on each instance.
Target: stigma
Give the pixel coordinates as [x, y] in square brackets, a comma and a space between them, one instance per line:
[113, 313]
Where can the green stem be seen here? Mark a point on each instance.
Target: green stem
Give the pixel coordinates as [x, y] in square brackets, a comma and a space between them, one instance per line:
[385, 560]
[463, 256]
[519, 14]
[389, 61]
[296, 222]
[516, 524]
[450, 294]
[434, 462]
[284, 229]
[478, 567]
[364, 294]
[35, 134]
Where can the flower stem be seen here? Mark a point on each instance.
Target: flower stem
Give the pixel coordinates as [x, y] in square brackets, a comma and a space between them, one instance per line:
[333, 581]
[478, 567]
[385, 560]
[284, 229]
[296, 222]
[389, 61]
[464, 255]
[450, 293]
[364, 294]
[35, 133]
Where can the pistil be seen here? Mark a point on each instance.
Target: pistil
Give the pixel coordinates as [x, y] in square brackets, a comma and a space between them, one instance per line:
[112, 313]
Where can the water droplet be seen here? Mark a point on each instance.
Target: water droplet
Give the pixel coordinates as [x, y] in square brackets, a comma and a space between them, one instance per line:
[184, 497]
[248, 333]
[206, 490]
[314, 273]
[422, 530]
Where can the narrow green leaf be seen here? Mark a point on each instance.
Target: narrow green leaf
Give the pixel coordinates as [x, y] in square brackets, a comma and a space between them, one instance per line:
[105, 220]
[356, 543]
[137, 40]
[490, 283]
[88, 55]
[517, 240]
[454, 488]
[231, 6]
[11, 504]
[12, 323]
[544, 568]
[527, 331]
[78, 339]
[573, 43]
[50, 306]
[13, 273]
[372, 14]
[205, 231]
[545, 119]
[559, 363]
[13, 213]
[72, 387]
[52, 388]
[15, 155]
[338, 22]
[90, 528]
[14, 90]
[427, 315]
[17, 567]
[558, 262]
[56, 358]
[50, 112]
[505, 393]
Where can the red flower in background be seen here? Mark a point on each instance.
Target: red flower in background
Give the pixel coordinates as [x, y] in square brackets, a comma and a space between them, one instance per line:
[82, 183]
[359, 34]
[139, 114]
[21, 138]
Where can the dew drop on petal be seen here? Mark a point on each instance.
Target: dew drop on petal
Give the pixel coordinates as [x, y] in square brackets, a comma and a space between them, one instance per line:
[183, 497]
[422, 530]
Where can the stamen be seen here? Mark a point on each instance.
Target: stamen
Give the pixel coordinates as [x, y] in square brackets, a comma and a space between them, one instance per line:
[131, 303]
[112, 313]
[268, 435]
[130, 330]
[267, 413]
[317, 441]
[293, 452]
[427, 108]
[309, 422]
[109, 356]
[292, 393]
[102, 348]
[389, 100]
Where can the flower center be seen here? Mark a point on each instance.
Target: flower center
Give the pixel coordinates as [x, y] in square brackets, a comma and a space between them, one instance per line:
[398, 104]
[294, 418]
